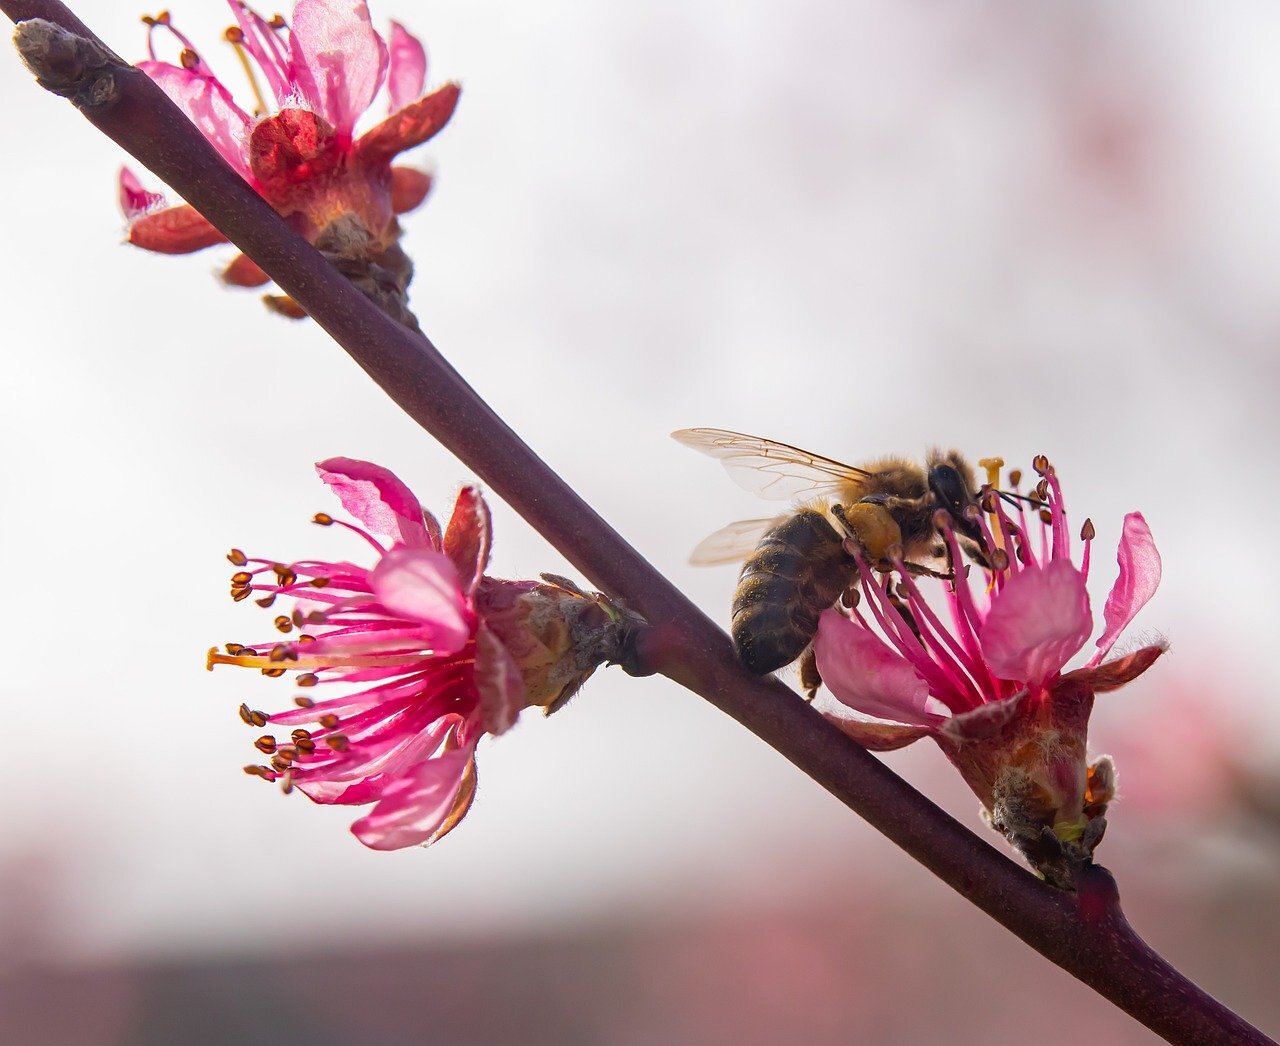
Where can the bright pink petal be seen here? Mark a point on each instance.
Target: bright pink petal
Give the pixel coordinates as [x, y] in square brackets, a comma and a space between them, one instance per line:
[337, 59]
[134, 199]
[408, 68]
[417, 806]
[422, 585]
[378, 498]
[1036, 622]
[861, 670]
[209, 106]
[1139, 578]
[175, 230]
[499, 682]
[410, 126]
[467, 537]
[261, 41]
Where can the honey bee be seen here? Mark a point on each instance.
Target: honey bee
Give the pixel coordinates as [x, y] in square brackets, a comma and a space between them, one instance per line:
[799, 564]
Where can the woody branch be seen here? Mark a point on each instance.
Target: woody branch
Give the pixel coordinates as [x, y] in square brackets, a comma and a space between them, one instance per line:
[1086, 934]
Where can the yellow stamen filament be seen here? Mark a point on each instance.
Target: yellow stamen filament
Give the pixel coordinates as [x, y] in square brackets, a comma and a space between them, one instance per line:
[235, 36]
[993, 467]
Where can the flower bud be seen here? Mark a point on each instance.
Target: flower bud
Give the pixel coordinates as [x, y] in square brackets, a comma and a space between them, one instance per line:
[556, 633]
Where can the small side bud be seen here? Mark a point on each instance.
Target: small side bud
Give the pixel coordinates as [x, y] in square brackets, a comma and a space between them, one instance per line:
[557, 634]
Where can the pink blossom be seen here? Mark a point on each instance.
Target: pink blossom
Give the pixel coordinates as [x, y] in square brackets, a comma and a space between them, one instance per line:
[986, 676]
[431, 655]
[298, 147]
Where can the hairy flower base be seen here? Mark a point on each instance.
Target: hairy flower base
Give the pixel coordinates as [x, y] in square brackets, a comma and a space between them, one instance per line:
[988, 684]
[341, 191]
[429, 652]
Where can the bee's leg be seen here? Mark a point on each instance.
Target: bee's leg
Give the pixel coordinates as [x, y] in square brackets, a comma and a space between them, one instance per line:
[850, 534]
[922, 571]
[903, 610]
[810, 678]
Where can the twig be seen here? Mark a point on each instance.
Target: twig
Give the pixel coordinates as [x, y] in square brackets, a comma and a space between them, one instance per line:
[1086, 934]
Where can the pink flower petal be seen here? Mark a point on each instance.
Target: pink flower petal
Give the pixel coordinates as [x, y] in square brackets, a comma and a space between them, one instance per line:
[378, 498]
[877, 737]
[1036, 622]
[134, 199]
[337, 59]
[417, 806]
[410, 126]
[1138, 580]
[175, 230]
[209, 106]
[408, 69]
[261, 41]
[861, 670]
[421, 584]
[467, 537]
[498, 679]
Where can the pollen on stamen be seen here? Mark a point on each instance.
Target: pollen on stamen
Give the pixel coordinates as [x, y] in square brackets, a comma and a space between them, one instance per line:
[999, 560]
[303, 702]
[305, 745]
[237, 558]
[265, 744]
[1041, 464]
[241, 577]
[283, 652]
[189, 58]
[283, 624]
[266, 601]
[277, 22]
[307, 679]
[235, 649]
[337, 742]
[238, 595]
[1015, 477]
[1087, 532]
[251, 717]
[274, 673]
[323, 519]
[280, 763]
[329, 721]
[304, 638]
[284, 575]
[320, 582]
[1046, 517]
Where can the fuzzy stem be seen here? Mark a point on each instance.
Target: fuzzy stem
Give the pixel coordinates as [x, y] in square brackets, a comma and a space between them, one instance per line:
[1085, 934]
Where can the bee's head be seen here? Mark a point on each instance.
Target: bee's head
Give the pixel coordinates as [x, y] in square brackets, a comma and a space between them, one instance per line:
[952, 494]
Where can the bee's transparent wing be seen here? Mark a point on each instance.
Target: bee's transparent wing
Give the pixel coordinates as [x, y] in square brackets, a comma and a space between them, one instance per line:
[771, 469]
[731, 544]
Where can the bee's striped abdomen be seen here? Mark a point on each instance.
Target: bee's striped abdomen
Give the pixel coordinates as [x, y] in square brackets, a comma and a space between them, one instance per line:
[798, 570]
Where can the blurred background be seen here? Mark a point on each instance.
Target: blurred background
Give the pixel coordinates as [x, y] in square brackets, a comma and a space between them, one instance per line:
[862, 228]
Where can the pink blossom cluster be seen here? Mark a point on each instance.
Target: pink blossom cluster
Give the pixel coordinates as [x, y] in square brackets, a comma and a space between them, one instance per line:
[982, 665]
[298, 146]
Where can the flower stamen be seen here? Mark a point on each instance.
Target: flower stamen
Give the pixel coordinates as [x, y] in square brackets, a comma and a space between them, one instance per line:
[234, 35]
